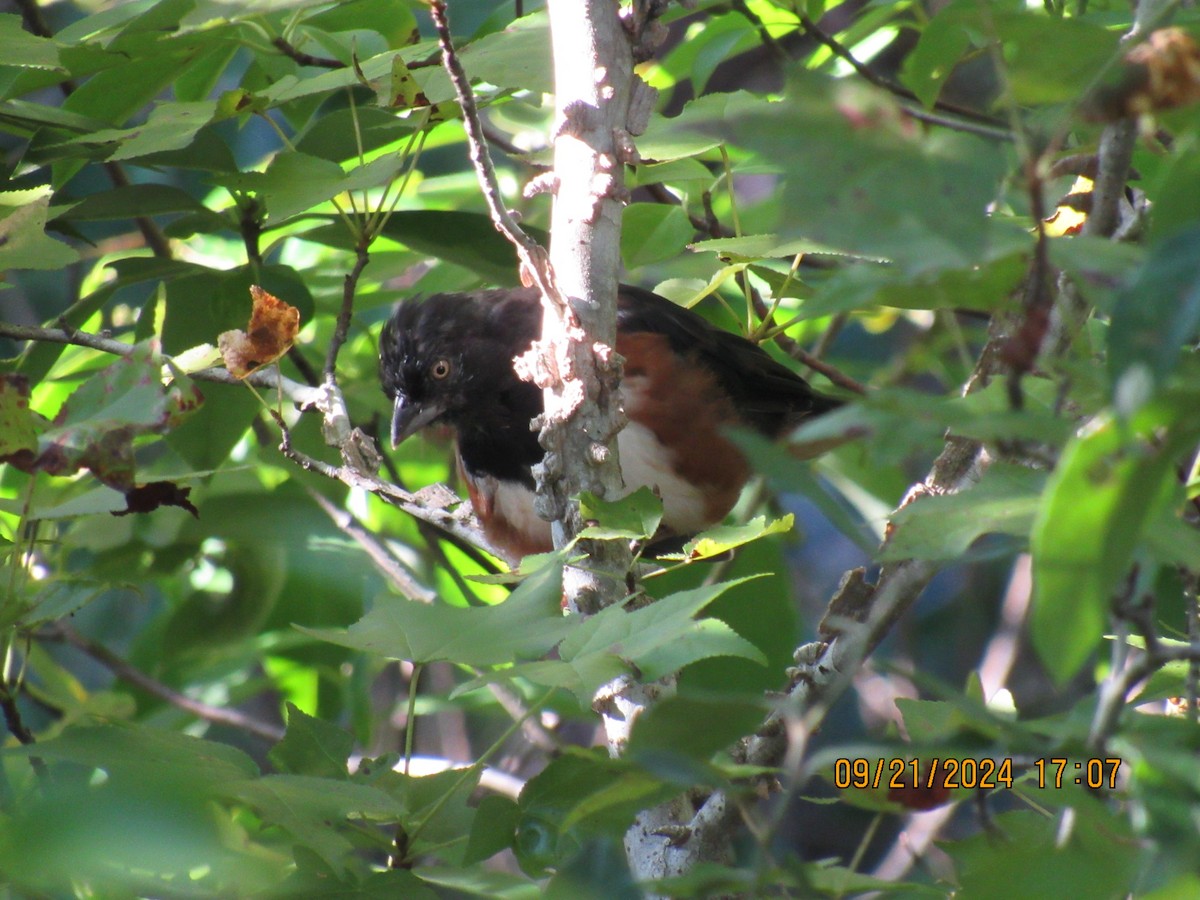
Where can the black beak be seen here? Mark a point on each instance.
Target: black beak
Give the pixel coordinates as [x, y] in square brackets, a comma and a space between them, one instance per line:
[408, 418]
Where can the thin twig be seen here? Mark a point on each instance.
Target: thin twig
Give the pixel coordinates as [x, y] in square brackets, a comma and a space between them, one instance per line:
[158, 243]
[533, 255]
[764, 35]
[268, 377]
[979, 129]
[841, 51]
[387, 564]
[140, 679]
[434, 536]
[798, 353]
[19, 730]
[460, 523]
[284, 46]
[829, 335]
[498, 139]
[342, 330]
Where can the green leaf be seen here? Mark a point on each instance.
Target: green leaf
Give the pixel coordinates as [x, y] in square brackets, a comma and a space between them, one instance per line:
[1158, 312]
[479, 881]
[18, 423]
[23, 117]
[463, 238]
[58, 599]
[124, 838]
[1096, 858]
[598, 796]
[1172, 192]
[296, 182]
[651, 642]
[784, 473]
[1111, 481]
[526, 625]
[293, 183]
[669, 727]
[312, 747]
[857, 139]
[943, 527]
[130, 201]
[340, 135]
[680, 136]
[202, 302]
[942, 43]
[632, 517]
[151, 755]
[675, 172]
[517, 58]
[723, 538]
[171, 126]
[20, 48]
[1037, 71]
[658, 639]
[753, 247]
[493, 828]
[392, 20]
[653, 232]
[96, 426]
[306, 808]
[23, 240]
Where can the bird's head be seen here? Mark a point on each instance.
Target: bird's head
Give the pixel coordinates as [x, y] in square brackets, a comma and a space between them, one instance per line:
[448, 358]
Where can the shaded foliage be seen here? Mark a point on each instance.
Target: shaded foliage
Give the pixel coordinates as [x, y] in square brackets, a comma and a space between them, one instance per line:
[212, 704]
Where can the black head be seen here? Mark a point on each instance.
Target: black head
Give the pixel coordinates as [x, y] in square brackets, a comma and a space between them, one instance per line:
[448, 358]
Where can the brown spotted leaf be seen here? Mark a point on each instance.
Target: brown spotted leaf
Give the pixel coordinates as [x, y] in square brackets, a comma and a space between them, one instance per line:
[273, 327]
[96, 426]
[19, 425]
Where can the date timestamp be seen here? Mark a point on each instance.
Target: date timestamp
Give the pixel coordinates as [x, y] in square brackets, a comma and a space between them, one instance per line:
[935, 772]
[896, 773]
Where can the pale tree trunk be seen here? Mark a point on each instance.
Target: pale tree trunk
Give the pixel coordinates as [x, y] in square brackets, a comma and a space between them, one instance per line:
[593, 74]
[600, 103]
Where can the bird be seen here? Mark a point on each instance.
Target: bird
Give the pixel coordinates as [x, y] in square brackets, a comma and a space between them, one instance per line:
[448, 359]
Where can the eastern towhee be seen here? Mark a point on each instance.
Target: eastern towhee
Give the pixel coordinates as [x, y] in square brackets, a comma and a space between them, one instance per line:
[449, 359]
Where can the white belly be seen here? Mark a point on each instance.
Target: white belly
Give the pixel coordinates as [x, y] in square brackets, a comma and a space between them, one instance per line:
[644, 463]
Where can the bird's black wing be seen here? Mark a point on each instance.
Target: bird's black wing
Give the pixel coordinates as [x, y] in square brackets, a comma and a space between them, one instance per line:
[767, 394]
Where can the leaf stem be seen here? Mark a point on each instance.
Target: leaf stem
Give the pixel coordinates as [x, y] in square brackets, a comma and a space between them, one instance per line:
[410, 720]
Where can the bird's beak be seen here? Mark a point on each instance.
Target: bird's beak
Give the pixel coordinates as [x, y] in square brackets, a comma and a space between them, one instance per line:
[408, 418]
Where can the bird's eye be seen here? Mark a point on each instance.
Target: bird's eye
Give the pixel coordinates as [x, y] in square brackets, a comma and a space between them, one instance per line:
[441, 369]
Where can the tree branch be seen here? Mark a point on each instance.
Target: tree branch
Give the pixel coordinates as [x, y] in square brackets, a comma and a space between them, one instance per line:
[139, 679]
[798, 353]
[284, 46]
[385, 562]
[432, 504]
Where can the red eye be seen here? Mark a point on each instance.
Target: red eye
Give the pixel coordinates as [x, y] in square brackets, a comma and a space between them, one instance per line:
[441, 369]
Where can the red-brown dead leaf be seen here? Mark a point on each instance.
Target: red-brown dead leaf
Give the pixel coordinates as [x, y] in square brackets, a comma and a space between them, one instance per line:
[148, 497]
[272, 330]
